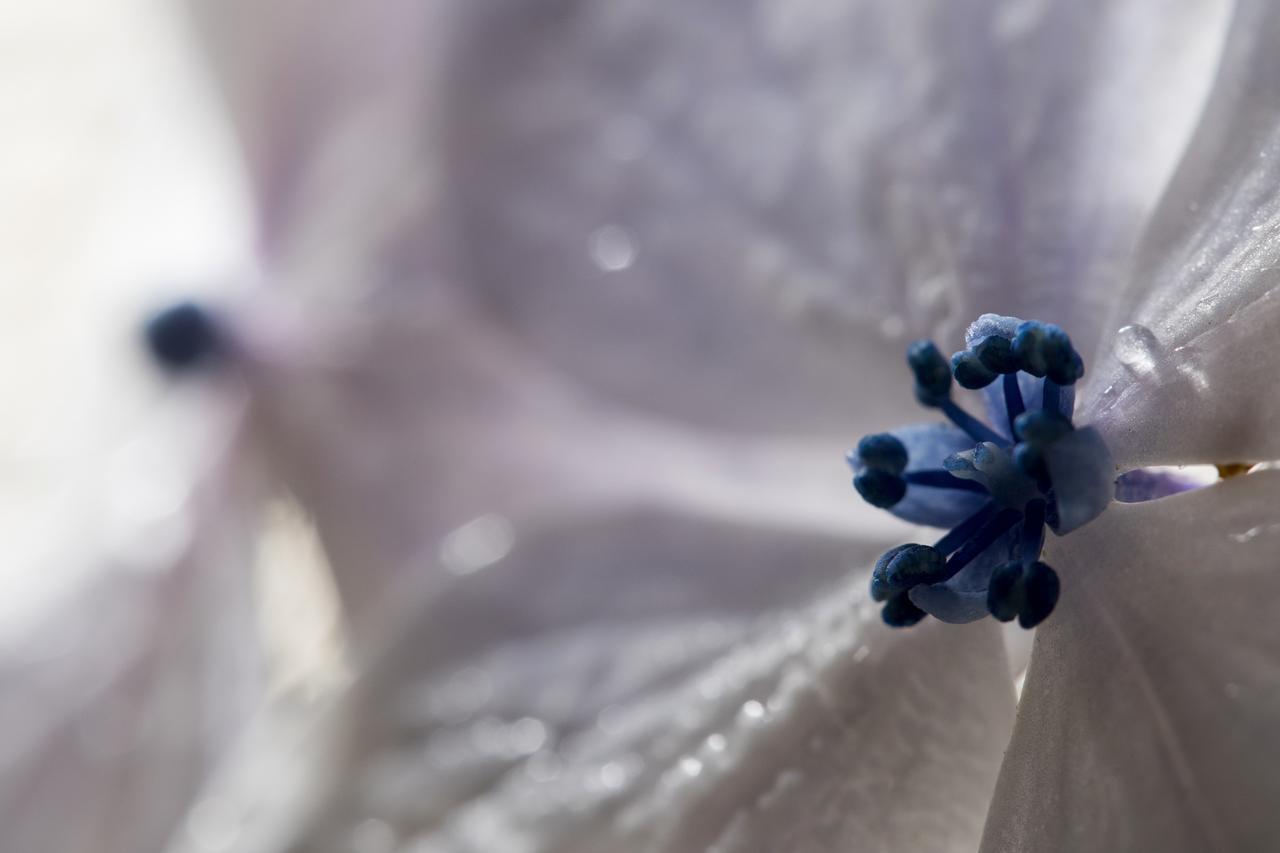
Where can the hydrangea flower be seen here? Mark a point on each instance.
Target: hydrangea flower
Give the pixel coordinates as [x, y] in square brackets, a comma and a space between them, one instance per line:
[633, 272]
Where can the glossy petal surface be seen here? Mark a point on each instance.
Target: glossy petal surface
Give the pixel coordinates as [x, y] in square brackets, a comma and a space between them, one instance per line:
[1147, 721]
[582, 694]
[1186, 378]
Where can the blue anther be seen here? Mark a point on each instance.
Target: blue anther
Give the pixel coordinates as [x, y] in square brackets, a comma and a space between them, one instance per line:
[914, 564]
[880, 488]
[933, 376]
[182, 337]
[1013, 402]
[1043, 427]
[1032, 540]
[996, 354]
[1052, 396]
[1040, 588]
[962, 532]
[883, 452]
[1004, 591]
[1030, 458]
[1027, 349]
[1009, 475]
[989, 533]
[1062, 363]
[941, 479]
[969, 371]
[881, 589]
[901, 612]
[976, 429]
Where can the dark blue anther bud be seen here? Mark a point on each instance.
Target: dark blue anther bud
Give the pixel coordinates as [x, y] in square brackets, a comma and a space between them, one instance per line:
[1004, 592]
[970, 371]
[1030, 458]
[1041, 427]
[1040, 589]
[996, 354]
[880, 488]
[182, 337]
[933, 375]
[1067, 372]
[883, 452]
[914, 564]
[881, 589]
[901, 612]
[1027, 349]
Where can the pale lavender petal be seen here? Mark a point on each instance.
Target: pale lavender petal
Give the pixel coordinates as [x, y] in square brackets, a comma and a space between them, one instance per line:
[590, 722]
[1083, 477]
[1147, 721]
[1191, 366]
[927, 445]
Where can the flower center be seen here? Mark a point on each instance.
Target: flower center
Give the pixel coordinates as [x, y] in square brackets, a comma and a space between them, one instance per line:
[996, 486]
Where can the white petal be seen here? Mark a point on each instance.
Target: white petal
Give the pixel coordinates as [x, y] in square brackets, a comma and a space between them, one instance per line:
[1147, 721]
[1188, 379]
[573, 721]
[434, 422]
[803, 174]
[760, 202]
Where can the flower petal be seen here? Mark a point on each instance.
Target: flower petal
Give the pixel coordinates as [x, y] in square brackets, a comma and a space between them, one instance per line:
[1188, 376]
[741, 200]
[604, 707]
[927, 445]
[763, 205]
[1147, 721]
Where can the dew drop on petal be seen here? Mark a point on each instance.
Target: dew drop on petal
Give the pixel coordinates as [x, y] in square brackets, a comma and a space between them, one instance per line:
[1137, 348]
[477, 544]
[612, 248]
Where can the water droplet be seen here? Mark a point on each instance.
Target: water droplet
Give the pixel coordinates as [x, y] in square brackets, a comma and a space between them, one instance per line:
[690, 766]
[477, 544]
[1137, 348]
[613, 776]
[752, 710]
[612, 248]
[527, 735]
[716, 742]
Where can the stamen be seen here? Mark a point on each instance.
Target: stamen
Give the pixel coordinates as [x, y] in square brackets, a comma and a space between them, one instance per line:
[975, 428]
[880, 488]
[942, 479]
[183, 337]
[1045, 472]
[1032, 532]
[883, 451]
[996, 354]
[965, 529]
[933, 377]
[990, 532]
[1052, 396]
[969, 370]
[1013, 402]
[901, 612]
[1040, 589]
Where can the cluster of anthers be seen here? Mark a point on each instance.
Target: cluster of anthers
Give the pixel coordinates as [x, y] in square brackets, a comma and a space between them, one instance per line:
[997, 487]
